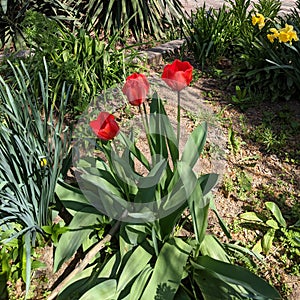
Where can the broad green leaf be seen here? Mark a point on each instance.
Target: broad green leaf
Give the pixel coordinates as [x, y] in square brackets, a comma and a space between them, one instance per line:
[79, 229]
[276, 213]
[134, 234]
[267, 240]
[133, 149]
[168, 132]
[212, 287]
[125, 175]
[272, 223]
[147, 185]
[250, 216]
[106, 290]
[213, 248]
[140, 282]
[81, 282]
[168, 270]
[257, 248]
[237, 276]
[102, 184]
[198, 205]
[72, 198]
[137, 261]
[207, 182]
[199, 212]
[194, 145]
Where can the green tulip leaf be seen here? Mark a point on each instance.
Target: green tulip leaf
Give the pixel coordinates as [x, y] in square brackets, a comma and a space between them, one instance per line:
[106, 289]
[133, 149]
[79, 229]
[194, 145]
[232, 276]
[213, 248]
[140, 283]
[71, 197]
[168, 270]
[136, 262]
[207, 182]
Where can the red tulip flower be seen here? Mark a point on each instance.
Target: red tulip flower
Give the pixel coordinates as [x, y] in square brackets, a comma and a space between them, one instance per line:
[105, 127]
[136, 88]
[178, 74]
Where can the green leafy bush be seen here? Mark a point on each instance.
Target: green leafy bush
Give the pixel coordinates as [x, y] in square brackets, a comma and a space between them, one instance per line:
[86, 63]
[215, 33]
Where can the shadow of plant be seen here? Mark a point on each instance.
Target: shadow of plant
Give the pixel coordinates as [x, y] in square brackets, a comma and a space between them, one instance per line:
[164, 292]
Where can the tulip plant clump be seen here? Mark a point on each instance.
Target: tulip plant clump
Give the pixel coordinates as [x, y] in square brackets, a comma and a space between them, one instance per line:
[150, 258]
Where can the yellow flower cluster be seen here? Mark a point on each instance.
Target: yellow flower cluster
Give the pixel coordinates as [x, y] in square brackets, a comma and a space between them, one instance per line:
[258, 19]
[284, 35]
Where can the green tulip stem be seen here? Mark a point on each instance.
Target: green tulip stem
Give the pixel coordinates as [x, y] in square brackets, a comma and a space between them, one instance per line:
[178, 117]
[146, 126]
[145, 114]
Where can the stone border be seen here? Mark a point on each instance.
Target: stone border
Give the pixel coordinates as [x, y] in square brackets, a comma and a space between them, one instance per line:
[155, 55]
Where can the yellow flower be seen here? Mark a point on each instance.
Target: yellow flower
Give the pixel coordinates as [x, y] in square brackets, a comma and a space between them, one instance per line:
[258, 19]
[44, 162]
[273, 35]
[287, 34]
[284, 35]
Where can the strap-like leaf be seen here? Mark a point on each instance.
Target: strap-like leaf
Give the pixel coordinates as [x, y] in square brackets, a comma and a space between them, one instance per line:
[79, 229]
[235, 276]
[194, 145]
[134, 265]
[168, 270]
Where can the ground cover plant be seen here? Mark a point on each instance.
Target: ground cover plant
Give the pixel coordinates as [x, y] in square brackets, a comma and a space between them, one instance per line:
[251, 221]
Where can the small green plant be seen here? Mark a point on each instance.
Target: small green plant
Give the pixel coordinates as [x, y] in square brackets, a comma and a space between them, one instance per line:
[274, 226]
[234, 142]
[241, 97]
[271, 141]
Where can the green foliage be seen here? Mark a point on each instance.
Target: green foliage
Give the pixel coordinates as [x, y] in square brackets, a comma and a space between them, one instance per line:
[86, 63]
[273, 225]
[141, 17]
[207, 35]
[149, 260]
[34, 144]
[215, 33]
[265, 70]
[12, 13]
